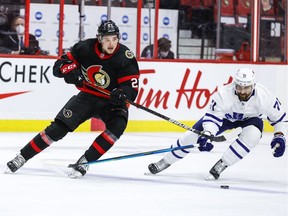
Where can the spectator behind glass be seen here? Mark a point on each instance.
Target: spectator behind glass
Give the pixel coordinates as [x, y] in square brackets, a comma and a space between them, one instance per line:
[13, 42]
[164, 52]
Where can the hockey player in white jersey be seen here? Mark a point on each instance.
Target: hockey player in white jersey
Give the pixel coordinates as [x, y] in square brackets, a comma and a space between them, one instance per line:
[242, 103]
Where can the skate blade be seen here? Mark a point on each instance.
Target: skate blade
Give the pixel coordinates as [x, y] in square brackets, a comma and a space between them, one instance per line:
[8, 171]
[210, 178]
[148, 173]
[75, 175]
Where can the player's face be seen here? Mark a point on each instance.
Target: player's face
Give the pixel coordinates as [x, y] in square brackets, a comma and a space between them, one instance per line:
[244, 92]
[109, 43]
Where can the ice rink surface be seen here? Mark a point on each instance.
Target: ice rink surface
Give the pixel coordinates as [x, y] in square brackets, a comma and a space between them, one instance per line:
[257, 184]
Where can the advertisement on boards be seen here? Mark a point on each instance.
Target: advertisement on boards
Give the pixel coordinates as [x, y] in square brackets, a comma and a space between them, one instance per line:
[181, 91]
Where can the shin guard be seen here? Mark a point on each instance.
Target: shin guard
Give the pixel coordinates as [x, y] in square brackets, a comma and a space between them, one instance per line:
[247, 140]
[187, 139]
[100, 145]
[36, 145]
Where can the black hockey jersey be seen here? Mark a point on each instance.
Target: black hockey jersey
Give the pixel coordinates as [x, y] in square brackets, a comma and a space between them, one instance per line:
[118, 70]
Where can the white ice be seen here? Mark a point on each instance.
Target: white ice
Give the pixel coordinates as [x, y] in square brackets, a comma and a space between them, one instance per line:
[258, 183]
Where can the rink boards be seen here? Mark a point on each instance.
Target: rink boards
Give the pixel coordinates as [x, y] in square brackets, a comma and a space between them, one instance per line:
[31, 97]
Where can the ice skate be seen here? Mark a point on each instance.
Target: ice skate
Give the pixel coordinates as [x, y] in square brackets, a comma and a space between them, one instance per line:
[215, 171]
[81, 170]
[16, 163]
[159, 166]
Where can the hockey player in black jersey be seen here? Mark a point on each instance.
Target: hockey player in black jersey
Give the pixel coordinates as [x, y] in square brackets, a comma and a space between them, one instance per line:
[100, 62]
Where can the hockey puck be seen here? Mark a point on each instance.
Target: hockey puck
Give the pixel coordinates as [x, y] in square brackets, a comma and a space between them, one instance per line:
[224, 186]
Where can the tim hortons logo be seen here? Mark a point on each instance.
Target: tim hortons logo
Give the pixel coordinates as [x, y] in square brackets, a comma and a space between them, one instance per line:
[188, 93]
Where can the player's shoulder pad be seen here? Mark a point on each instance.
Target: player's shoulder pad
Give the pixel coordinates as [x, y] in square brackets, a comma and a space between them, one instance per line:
[263, 89]
[226, 89]
[82, 49]
[264, 94]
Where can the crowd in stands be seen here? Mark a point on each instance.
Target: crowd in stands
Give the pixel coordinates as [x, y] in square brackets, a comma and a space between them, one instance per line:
[199, 16]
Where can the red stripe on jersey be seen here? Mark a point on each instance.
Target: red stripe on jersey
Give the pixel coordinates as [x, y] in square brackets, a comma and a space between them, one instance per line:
[126, 78]
[108, 138]
[102, 55]
[94, 92]
[34, 146]
[98, 148]
[70, 56]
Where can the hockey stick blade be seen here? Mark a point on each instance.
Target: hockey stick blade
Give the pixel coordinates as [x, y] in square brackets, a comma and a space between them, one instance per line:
[220, 138]
[141, 154]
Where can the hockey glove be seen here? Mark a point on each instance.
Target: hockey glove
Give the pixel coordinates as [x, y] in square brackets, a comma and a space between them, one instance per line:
[204, 143]
[117, 96]
[71, 73]
[278, 144]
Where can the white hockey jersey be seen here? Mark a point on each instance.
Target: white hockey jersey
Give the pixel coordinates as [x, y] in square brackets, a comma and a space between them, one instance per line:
[263, 104]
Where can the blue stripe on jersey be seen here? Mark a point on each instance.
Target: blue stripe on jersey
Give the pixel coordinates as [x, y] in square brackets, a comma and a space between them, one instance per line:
[213, 117]
[282, 117]
[175, 155]
[242, 145]
[183, 150]
[235, 152]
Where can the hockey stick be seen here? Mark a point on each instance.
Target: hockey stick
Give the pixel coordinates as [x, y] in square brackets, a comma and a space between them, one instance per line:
[220, 138]
[159, 151]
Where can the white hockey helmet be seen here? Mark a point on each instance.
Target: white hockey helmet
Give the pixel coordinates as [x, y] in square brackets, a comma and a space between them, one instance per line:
[245, 77]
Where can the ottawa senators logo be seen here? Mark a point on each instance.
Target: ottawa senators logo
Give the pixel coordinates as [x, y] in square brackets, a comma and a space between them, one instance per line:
[67, 113]
[96, 76]
[129, 54]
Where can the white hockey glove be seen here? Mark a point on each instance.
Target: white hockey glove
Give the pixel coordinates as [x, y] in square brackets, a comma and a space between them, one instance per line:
[204, 143]
[278, 144]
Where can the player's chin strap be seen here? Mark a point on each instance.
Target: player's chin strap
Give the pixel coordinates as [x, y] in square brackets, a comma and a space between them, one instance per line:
[221, 138]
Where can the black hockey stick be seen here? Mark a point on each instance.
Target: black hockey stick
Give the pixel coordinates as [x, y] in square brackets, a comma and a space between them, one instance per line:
[220, 138]
[159, 151]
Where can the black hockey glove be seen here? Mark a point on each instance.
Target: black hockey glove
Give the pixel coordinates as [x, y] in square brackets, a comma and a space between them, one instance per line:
[71, 73]
[117, 96]
[74, 78]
